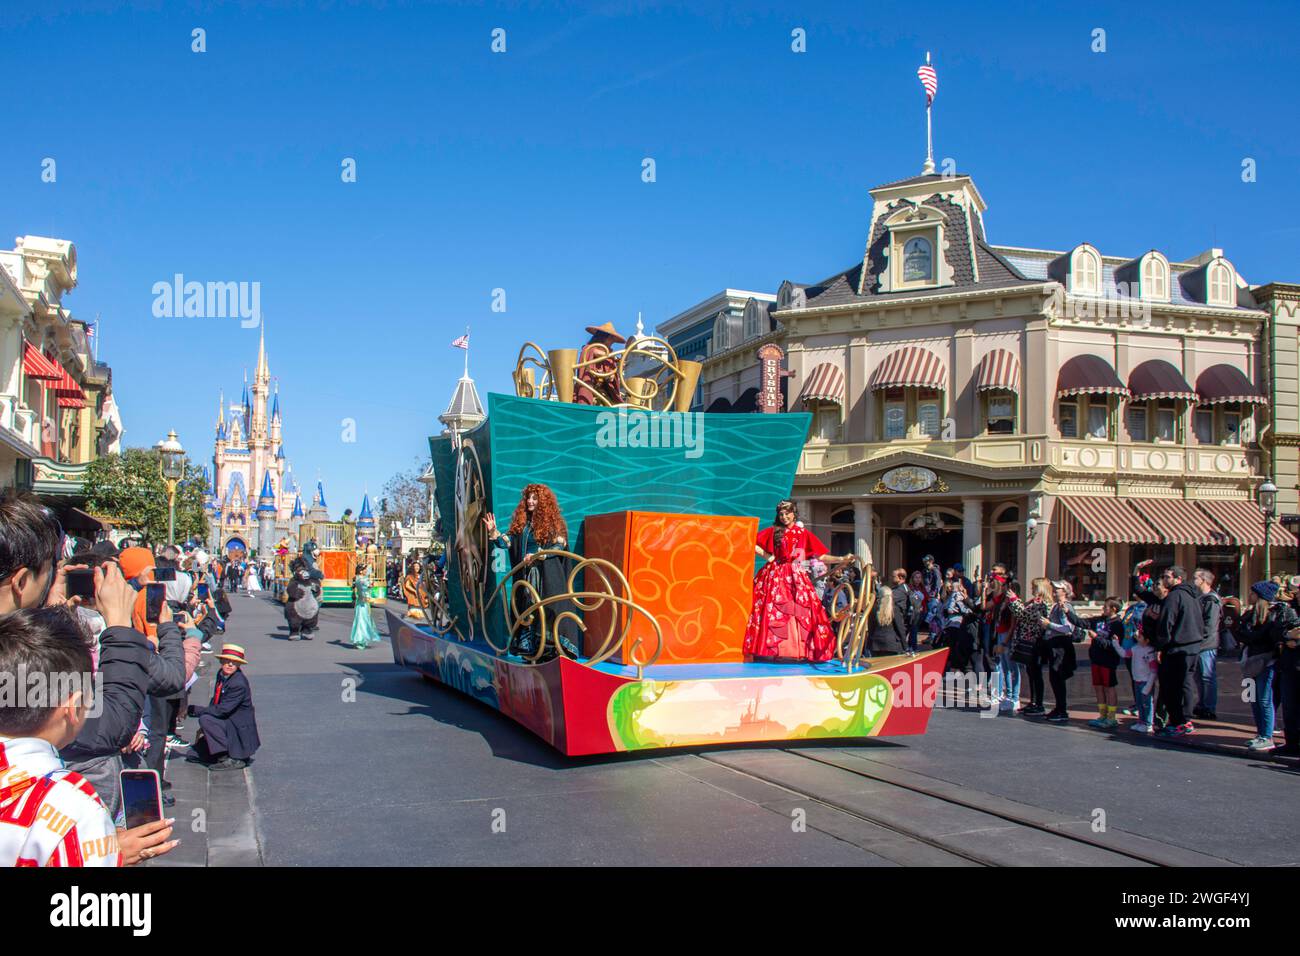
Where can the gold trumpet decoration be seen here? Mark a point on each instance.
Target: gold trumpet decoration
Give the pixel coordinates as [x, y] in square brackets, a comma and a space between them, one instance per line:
[536, 616]
[855, 616]
[668, 383]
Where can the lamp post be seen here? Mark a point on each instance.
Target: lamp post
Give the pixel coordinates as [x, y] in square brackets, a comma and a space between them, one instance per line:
[1268, 505]
[171, 464]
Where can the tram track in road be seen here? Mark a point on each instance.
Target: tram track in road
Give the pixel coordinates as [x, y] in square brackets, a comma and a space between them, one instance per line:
[900, 812]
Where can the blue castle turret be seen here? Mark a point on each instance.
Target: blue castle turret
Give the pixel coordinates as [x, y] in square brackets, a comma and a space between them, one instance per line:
[266, 516]
[366, 520]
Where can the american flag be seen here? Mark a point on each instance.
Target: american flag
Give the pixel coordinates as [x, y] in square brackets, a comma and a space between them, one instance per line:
[462, 342]
[930, 80]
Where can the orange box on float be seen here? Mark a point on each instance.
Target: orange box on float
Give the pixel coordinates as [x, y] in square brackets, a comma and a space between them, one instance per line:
[337, 565]
[694, 573]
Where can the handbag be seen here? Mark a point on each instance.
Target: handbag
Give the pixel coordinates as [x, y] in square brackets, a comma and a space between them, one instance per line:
[1252, 667]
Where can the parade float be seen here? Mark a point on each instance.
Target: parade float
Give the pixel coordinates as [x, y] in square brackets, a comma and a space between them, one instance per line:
[662, 507]
[337, 553]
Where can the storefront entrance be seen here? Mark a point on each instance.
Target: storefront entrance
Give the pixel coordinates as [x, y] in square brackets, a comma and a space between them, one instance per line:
[944, 545]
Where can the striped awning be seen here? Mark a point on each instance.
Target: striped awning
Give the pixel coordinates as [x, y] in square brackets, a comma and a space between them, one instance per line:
[36, 365]
[910, 367]
[1157, 378]
[1220, 384]
[825, 384]
[1245, 522]
[1101, 521]
[1179, 521]
[65, 387]
[998, 370]
[71, 401]
[1088, 375]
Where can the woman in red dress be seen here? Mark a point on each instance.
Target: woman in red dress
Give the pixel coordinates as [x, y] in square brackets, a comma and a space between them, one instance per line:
[787, 621]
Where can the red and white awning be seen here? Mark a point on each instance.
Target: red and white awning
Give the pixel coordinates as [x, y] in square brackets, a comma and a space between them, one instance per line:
[36, 365]
[1180, 522]
[998, 370]
[910, 367]
[825, 384]
[1245, 522]
[1101, 521]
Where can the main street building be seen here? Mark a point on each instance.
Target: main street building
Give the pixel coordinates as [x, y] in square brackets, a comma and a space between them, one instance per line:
[1066, 412]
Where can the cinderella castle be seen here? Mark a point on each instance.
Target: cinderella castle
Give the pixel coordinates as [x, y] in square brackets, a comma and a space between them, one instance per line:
[249, 454]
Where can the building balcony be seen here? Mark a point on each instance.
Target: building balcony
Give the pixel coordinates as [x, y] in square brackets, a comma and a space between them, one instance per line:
[1155, 459]
[51, 477]
[19, 427]
[1016, 451]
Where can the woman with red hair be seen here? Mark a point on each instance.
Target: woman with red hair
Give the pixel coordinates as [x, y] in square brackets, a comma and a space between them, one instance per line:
[537, 526]
[788, 622]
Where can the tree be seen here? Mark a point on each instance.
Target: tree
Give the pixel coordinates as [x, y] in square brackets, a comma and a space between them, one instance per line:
[128, 490]
[405, 498]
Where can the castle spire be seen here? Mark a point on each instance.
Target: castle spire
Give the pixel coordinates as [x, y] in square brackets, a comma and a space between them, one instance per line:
[263, 374]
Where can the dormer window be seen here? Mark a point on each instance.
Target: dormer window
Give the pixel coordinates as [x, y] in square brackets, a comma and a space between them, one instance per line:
[1219, 284]
[1155, 277]
[1085, 272]
[721, 342]
[918, 260]
[915, 252]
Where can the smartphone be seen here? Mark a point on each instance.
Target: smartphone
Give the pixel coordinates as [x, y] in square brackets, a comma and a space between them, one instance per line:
[141, 796]
[155, 594]
[164, 574]
[203, 592]
[81, 583]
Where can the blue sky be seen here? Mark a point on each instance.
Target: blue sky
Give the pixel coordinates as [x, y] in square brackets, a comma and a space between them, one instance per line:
[522, 171]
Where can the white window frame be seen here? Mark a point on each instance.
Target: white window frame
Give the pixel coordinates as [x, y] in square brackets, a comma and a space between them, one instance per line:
[1220, 282]
[1154, 277]
[1085, 279]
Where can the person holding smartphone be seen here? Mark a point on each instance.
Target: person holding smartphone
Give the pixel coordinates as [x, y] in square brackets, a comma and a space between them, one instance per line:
[69, 824]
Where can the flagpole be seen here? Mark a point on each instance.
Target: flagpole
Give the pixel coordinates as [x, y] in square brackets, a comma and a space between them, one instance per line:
[467, 351]
[929, 138]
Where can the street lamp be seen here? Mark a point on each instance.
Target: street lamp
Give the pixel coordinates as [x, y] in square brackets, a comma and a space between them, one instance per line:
[171, 464]
[1268, 505]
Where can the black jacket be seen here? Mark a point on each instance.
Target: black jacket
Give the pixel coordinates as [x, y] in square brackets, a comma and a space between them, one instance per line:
[167, 666]
[1211, 616]
[235, 710]
[1266, 638]
[891, 638]
[1181, 629]
[1100, 650]
[1057, 650]
[124, 662]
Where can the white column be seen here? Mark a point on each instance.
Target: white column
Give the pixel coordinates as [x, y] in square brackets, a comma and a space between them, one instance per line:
[972, 535]
[863, 520]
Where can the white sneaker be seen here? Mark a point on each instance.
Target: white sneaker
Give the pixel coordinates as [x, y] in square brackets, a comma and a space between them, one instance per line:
[1259, 744]
[1140, 728]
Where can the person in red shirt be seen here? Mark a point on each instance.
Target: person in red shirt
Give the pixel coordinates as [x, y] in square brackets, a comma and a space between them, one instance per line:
[788, 622]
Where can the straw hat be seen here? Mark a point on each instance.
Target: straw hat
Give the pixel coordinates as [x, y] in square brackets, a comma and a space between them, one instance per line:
[606, 329]
[233, 653]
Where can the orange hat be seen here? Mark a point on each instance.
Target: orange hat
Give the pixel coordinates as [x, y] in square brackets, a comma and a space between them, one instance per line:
[133, 561]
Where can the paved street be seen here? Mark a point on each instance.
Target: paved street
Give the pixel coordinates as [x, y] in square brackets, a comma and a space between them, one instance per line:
[366, 763]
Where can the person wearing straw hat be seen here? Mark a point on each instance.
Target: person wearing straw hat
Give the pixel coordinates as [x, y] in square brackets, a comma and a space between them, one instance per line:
[598, 382]
[228, 725]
